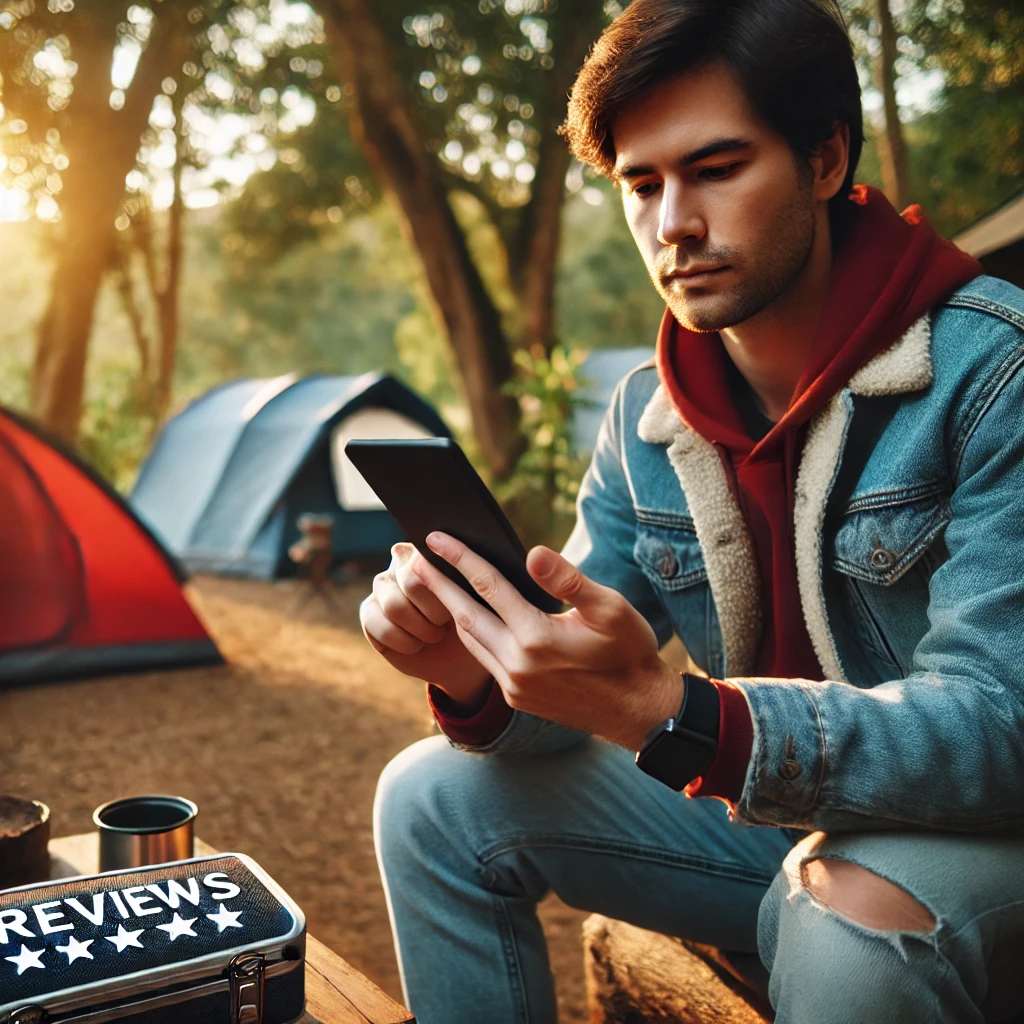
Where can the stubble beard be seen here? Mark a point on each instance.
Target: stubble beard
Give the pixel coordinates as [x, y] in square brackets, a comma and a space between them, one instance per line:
[772, 263]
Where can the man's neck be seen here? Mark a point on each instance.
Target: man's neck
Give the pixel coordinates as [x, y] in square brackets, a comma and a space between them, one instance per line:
[770, 349]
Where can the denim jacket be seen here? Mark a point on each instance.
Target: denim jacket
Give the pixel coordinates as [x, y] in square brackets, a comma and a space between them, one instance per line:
[909, 539]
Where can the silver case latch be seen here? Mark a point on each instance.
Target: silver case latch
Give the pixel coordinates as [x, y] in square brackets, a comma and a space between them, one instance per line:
[29, 1015]
[246, 974]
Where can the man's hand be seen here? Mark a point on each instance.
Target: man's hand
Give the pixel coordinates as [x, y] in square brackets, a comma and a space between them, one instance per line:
[595, 667]
[407, 625]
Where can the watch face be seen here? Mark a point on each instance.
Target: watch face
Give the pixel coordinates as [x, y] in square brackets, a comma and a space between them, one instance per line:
[676, 757]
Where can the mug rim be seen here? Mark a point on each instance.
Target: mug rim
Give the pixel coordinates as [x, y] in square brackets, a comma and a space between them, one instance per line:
[180, 802]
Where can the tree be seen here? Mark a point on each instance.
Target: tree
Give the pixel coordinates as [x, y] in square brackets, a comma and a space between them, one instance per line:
[877, 45]
[892, 149]
[433, 134]
[78, 139]
[968, 153]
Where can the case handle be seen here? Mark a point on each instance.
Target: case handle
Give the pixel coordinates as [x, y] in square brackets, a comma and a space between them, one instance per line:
[246, 974]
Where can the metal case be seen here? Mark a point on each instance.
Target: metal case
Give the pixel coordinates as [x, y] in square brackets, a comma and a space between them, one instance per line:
[209, 940]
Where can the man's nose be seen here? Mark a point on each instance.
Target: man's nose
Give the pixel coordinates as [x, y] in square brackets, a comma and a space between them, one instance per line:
[680, 218]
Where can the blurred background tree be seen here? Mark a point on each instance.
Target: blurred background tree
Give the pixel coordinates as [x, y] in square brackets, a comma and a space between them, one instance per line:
[194, 191]
[944, 99]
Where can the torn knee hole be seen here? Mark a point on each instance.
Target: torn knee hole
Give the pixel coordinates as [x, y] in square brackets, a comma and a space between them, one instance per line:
[865, 898]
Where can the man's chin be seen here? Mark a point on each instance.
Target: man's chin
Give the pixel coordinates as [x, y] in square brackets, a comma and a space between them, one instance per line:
[702, 320]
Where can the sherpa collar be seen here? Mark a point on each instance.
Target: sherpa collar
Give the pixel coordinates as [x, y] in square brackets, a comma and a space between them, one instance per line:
[725, 541]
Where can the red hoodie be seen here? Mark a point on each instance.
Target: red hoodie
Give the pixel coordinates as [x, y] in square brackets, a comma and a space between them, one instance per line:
[889, 271]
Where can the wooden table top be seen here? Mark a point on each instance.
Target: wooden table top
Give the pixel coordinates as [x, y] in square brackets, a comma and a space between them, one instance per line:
[336, 993]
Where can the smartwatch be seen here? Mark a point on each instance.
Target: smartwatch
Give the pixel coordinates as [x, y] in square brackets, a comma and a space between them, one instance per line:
[682, 748]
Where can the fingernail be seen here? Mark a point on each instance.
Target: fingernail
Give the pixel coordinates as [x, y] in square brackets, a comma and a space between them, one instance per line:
[435, 541]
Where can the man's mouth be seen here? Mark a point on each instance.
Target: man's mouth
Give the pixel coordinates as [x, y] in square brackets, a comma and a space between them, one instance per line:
[692, 276]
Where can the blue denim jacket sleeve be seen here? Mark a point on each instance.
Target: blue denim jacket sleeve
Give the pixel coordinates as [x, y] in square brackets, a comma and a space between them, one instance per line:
[942, 748]
[601, 545]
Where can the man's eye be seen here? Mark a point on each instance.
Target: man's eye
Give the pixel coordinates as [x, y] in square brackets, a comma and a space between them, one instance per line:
[645, 189]
[717, 173]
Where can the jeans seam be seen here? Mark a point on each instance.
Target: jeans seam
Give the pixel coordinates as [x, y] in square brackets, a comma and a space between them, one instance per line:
[513, 969]
[653, 855]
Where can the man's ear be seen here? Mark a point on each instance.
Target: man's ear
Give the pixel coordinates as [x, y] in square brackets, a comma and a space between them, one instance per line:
[830, 162]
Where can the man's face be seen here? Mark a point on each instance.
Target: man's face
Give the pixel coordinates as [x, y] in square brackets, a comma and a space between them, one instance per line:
[722, 212]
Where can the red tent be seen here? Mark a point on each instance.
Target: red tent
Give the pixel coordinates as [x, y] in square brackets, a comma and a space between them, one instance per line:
[85, 588]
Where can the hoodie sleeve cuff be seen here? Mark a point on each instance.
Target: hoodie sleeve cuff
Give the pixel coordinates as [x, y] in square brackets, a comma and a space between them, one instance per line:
[726, 774]
[475, 726]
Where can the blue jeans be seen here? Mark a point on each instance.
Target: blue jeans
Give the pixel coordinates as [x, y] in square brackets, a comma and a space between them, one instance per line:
[468, 844]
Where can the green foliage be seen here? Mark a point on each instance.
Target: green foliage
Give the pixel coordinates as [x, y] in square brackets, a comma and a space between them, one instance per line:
[304, 268]
[116, 426]
[966, 153]
[542, 490]
[330, 304]
[605, 298]
[23, 271]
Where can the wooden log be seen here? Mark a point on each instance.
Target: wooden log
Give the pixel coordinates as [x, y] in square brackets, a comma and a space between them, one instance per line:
[24, 834]
[639, 977]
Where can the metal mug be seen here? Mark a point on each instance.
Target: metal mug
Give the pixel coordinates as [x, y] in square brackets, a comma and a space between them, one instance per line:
[141, 830]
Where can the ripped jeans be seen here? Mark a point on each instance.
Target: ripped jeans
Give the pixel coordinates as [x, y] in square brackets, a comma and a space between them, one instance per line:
[468, 844]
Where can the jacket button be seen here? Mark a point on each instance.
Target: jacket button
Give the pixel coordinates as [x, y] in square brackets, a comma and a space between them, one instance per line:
[668, 566]
[882, 559]
[790, 769]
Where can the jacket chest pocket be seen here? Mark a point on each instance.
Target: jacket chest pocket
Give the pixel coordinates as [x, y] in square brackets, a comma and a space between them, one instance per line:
[886, 549]
[668, 552]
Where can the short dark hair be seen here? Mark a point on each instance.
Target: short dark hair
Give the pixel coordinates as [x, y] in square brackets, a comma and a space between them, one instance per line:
[793, 59]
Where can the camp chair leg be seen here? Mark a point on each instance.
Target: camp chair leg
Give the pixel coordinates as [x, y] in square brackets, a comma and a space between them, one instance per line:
[318, 582]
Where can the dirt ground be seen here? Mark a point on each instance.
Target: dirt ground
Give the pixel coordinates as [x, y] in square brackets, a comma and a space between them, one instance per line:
[280, 748]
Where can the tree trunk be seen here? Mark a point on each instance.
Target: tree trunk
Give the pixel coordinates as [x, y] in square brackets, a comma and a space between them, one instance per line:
[125, 286]
[101, 145]
[634, 975]
[533, 258]
[168, 296]
[384, 125]
[891, 149]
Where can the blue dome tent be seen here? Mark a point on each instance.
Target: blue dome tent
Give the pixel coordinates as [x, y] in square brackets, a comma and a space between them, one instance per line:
[229, 476]
[601, 372]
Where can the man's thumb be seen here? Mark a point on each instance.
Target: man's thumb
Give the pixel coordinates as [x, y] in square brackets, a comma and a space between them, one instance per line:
[559, 577]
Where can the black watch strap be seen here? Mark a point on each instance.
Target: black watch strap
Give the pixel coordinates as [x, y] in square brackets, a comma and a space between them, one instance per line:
[683, 747]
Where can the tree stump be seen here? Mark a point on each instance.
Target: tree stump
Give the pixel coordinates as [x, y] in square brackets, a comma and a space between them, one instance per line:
[24, 835]
[639, 977]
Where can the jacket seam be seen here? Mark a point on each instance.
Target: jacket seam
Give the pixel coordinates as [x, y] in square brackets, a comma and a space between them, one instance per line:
[984, 305]
[999, 380]
[656, 517]
[824, 748]
[896, 496]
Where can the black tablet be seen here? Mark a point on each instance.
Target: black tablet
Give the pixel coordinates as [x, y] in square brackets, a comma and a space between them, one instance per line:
[428, 484]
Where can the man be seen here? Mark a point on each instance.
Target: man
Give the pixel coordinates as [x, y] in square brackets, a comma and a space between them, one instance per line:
[817, 485]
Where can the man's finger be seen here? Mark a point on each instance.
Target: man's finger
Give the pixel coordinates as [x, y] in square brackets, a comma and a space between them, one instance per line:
[471, 617]
[397, 607]
[501, 595]
[596, 605]
[419, 594]
[384, 636]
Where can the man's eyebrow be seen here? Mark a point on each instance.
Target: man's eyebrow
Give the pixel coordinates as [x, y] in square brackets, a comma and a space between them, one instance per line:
[710, 149]
[714, 148]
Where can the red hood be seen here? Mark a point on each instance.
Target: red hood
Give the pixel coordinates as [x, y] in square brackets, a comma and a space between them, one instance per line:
[889, 271]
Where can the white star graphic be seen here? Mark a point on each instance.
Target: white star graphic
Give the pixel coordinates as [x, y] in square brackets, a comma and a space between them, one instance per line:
[125, 939]
[27, 958]
[76, 950]
[225, 918]
[179, 927]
